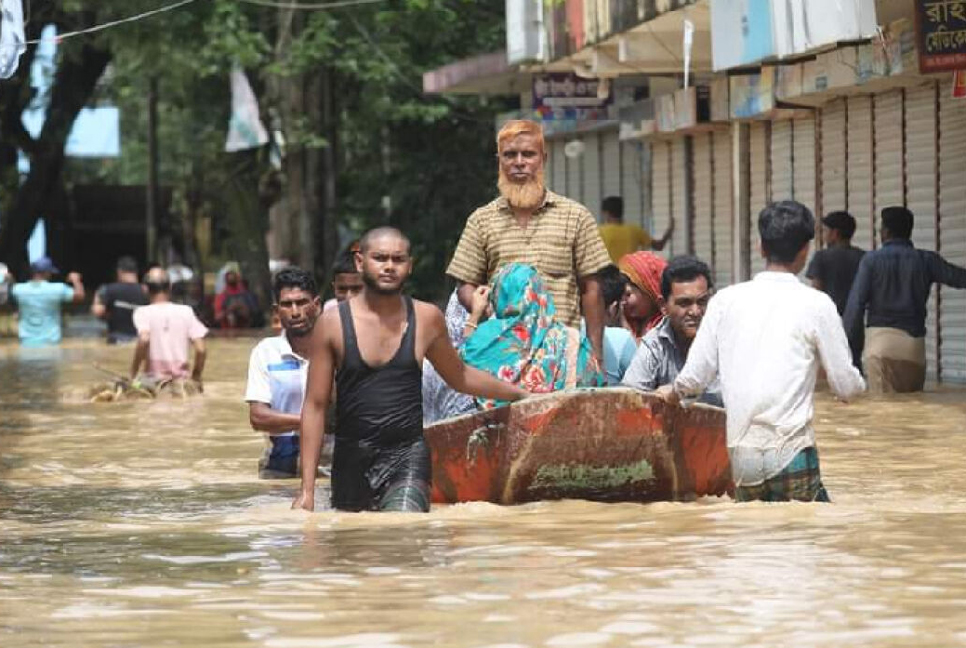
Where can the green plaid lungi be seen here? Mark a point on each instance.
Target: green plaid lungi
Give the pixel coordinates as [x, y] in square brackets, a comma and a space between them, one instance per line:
[800, 481]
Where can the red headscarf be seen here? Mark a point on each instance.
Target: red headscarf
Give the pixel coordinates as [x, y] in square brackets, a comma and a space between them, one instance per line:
[644, 270]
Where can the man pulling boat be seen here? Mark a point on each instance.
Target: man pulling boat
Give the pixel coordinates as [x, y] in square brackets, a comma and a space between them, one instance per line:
[373, 346]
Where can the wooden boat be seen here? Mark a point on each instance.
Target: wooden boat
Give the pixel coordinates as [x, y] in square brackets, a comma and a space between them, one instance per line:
[606, 445]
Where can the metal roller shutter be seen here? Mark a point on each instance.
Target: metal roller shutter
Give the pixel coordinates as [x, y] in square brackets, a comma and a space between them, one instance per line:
[702, 200]
[952, 231]
[804, 189]
[680, 209]
[632, 180]
[834, 180]
[889, 189]
[574, 177]
[611, 160]
[592, 172]
[921, 189]
[723, 211]
[548, 166]
[860, 203]
[758, 194]
[781, 160]
[559, 167]
[660, 186]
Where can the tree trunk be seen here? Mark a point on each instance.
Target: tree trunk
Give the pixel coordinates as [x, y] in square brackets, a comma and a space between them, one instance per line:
[73, 85]
[328, 243]
[247, 221]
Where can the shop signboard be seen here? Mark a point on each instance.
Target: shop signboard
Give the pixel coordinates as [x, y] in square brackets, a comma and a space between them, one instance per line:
[941, 31]
[564, 90]
[748, 32]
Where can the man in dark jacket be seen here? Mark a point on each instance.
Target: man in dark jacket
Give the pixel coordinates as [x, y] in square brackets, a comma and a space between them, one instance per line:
[893, 285]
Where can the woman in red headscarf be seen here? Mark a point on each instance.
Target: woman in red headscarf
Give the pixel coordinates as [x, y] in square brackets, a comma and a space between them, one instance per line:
[642, 297]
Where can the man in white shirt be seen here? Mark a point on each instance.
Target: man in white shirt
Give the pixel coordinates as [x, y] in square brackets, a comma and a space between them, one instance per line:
[277, 372]
[766, 339]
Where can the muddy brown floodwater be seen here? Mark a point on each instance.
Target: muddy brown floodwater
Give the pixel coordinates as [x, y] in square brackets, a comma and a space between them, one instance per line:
[143, 524]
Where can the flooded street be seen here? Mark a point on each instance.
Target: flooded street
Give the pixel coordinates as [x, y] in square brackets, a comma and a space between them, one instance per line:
[143, 524]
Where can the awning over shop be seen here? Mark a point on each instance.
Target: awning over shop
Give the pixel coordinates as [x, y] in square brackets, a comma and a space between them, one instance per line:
[487, 74]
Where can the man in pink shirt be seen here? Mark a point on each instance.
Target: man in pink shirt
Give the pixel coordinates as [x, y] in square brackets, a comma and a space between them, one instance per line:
[165, 331]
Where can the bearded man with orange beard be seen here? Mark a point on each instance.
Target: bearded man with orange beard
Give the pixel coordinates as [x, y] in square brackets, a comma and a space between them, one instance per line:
[530, 224]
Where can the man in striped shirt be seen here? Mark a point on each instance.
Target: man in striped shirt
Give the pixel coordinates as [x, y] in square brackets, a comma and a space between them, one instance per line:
[529, 224]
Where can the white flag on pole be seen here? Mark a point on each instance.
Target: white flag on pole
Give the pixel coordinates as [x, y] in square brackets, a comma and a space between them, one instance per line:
[12, 40]
[688, 43]
[245, 130]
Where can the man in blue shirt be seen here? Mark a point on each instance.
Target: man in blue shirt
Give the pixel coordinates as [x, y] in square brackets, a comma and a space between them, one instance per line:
[39, 302]
[278, 369]
[893, 285]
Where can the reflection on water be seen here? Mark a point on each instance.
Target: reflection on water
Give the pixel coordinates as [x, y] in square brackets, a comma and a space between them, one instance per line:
[142, 524]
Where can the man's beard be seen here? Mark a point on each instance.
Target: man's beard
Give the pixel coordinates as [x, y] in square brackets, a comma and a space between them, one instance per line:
[528, 195]
[372, 284]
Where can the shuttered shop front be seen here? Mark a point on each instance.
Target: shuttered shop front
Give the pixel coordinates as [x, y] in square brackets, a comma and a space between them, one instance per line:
[660, 186]
[781, 160]
[952, 231]
[559, 166]
[921, 170]
[575, 178]
[804, 188]
[632, 179]
[723, 211]
[758, 194]
[889, 189]
[703, 197]
[834, 179]
[611, 162]
[680, 211]
[860, 199]
[592, 169]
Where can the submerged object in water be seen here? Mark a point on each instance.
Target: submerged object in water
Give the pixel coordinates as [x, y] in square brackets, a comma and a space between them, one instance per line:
[123, 389]
[608, 445]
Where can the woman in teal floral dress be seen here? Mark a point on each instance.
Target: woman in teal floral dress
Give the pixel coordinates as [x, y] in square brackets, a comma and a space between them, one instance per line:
[524, 344]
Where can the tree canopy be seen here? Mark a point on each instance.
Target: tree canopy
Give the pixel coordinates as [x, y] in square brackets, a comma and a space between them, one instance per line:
[360, 144]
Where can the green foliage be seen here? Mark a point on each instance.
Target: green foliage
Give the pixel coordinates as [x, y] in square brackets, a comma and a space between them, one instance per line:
[429, 157]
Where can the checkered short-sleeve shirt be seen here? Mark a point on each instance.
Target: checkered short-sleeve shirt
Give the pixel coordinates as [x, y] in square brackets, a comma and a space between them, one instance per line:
[561, 240]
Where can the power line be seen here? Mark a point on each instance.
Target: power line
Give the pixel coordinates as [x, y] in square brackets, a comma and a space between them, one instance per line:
[114, 23]
[311, 6]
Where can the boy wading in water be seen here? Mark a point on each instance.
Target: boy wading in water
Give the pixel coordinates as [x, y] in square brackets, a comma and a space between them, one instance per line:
[765, 339]
[375, 343]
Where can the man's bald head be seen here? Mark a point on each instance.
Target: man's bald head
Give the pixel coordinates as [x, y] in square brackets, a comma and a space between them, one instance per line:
[379, 233]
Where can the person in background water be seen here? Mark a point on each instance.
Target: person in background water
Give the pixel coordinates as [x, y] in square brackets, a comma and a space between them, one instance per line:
[529, 224]
[619, 344]
[115, 302]
[5, 279]
[622, 238]
[346, 280]
[524, 343]
[39, 302]
[373, 345]
[765, 339]
[686, 288]
[833, 269]
[165, 331]
[641, 304]
[278, 369]
[236, 306]
[893, 285]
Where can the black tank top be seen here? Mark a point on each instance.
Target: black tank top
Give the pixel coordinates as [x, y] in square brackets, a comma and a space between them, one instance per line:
[380, 406]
